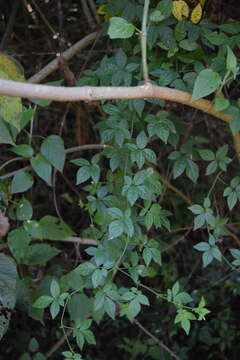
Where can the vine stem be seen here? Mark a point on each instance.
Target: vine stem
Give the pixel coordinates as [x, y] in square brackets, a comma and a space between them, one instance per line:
[144, 41]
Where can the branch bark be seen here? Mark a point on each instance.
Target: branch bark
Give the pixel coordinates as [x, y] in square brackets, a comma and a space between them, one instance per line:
[95, 93]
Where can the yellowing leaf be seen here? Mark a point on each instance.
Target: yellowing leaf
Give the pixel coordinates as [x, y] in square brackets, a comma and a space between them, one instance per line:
[196, 14]
[101, 11]
[202, 2]
[180, 9]
[10, 107]
[10, 110]
[11, 67]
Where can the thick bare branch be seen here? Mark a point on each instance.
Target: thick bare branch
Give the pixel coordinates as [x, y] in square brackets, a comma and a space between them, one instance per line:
[94, 93]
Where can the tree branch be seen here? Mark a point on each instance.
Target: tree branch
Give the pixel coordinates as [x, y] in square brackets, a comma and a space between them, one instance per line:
[67, 55]
[94, 93]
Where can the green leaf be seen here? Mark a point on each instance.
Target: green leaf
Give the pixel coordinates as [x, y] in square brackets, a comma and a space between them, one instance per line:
[206, 83]
[8, 279]
[196, 209]
[207, 258]
[199, 221]
[120, 28]
[54, 288]
[80, 340]
[179, 167]
[76, 312]
[33, 345]
[207, 203]
[184, 317]
[5, 136]
[115, 229]
[54, 309]
[34, 229]
[141, 140]
[211, 168]
[53, 150]
[157, 16]
[216, 253]
[133, 309]
[39, 356]
[221, 104]
[22, 181]
[42, 168]
[207, 155]
[188, 44]
[98, 277]
[89, 336]
[150, 155]
[165, 6]
[182, 298]
[110, 307]
[147, 256]
[23, 150]
[83, 174]
[8, 282]
[42, 302]
[192, 170]
[54, 229]
[128, 226]
[231, 62]
[132, 194]
[232, 200]
[18, 242]
[40, 254]
[202, 246]
[157, 257]
[24, 210]
[121, 58]
[115, 213]
[175, 288]
[143, 300]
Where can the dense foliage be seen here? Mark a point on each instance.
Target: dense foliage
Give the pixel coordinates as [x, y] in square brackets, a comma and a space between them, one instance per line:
[127, 221]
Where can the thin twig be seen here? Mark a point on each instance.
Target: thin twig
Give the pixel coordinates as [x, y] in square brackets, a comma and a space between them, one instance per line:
[81, 241]
[87, 147]
[159, 342]
[44, 19]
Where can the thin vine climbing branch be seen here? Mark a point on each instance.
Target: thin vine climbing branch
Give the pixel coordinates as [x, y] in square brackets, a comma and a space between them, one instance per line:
[144, 41]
